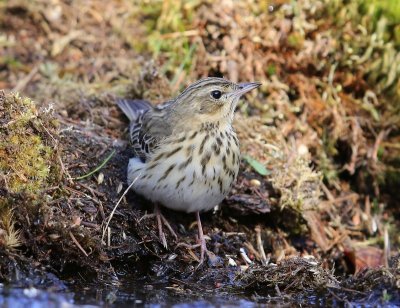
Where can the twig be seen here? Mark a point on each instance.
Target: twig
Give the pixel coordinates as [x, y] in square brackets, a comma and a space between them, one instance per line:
[77, 244]
[101, 209]
[47, 131]
[234, 233]
[93, 191]
[24, 81]
[185, 283]
[90, 224]
[278, 291]
[251, 249]
[355, 136]
[337, 240]
[345, 289]
[174, 35]
[328, 194]
[193, 255]
[64, 171]
[382, 134]
[386, 250]
[80, 193]
[244, 256]
[97, 168]
[115, 207]
[260, 246]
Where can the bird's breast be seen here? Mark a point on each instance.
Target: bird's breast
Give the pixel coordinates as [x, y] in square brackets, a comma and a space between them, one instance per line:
[192, 171]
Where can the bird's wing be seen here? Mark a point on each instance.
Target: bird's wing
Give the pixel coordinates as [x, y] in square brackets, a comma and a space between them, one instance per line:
[147, 133]
[148, 125]
[133, 108]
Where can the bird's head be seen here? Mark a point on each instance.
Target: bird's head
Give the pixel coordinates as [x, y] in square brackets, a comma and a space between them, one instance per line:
[212, 99]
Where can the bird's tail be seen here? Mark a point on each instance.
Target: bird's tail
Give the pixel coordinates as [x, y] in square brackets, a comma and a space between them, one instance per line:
[133, 108]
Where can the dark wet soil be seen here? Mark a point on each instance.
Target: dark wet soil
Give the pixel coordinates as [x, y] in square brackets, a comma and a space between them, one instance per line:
[132, 290]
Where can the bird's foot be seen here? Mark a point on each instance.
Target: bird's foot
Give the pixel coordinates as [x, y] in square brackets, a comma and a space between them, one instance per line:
[202, 242]
[203, 250]
[161, 220]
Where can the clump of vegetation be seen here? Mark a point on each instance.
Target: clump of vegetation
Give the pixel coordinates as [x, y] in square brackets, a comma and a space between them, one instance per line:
[309, 275]
[298, 184]
[28, 158]
[288, 170]
[9, 235]
[26, 145]
[38, 209]
[169, 26]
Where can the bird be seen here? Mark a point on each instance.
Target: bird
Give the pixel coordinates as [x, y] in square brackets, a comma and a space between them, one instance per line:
[186, 152]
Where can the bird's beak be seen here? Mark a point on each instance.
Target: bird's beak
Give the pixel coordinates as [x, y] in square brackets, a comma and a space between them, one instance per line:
[245, 87]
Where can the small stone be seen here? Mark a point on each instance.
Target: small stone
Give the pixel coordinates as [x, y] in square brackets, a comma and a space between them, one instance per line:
[302, 150]
[232, 262]
[255, 183]
[172, 257]
[119, 188]
[100, 178]
[64, 113]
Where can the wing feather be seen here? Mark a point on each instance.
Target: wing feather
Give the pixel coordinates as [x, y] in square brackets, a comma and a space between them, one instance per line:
[148, 126]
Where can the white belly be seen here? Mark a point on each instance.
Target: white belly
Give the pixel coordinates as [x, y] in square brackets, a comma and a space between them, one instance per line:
[180, 181]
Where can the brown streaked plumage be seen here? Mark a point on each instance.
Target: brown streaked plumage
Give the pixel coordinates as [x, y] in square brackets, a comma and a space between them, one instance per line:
[186, 149]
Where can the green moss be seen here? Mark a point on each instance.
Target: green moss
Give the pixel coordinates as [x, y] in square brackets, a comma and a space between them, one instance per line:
[295, 40]
[378, 8]
[271, 70]
[374, 48]
[12, 63]
[26, 145]
[298, 185]
[166, 23]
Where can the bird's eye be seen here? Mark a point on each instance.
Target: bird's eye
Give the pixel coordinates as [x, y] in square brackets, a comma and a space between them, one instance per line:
[216, 94]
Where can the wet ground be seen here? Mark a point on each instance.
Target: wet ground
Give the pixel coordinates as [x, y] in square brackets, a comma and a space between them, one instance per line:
[163, 295]
[122, 298]
[129, 288]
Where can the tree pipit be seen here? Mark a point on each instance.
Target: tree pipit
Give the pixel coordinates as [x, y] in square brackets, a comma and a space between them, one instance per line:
[186, 151]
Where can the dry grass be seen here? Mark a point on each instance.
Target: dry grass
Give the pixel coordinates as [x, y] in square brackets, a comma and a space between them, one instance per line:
[10, 237]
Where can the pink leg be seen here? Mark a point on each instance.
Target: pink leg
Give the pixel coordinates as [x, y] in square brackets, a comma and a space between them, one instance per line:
[202, 240]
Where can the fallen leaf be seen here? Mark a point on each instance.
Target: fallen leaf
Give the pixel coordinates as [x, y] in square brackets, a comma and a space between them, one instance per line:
[256, 165]
[365, 257]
